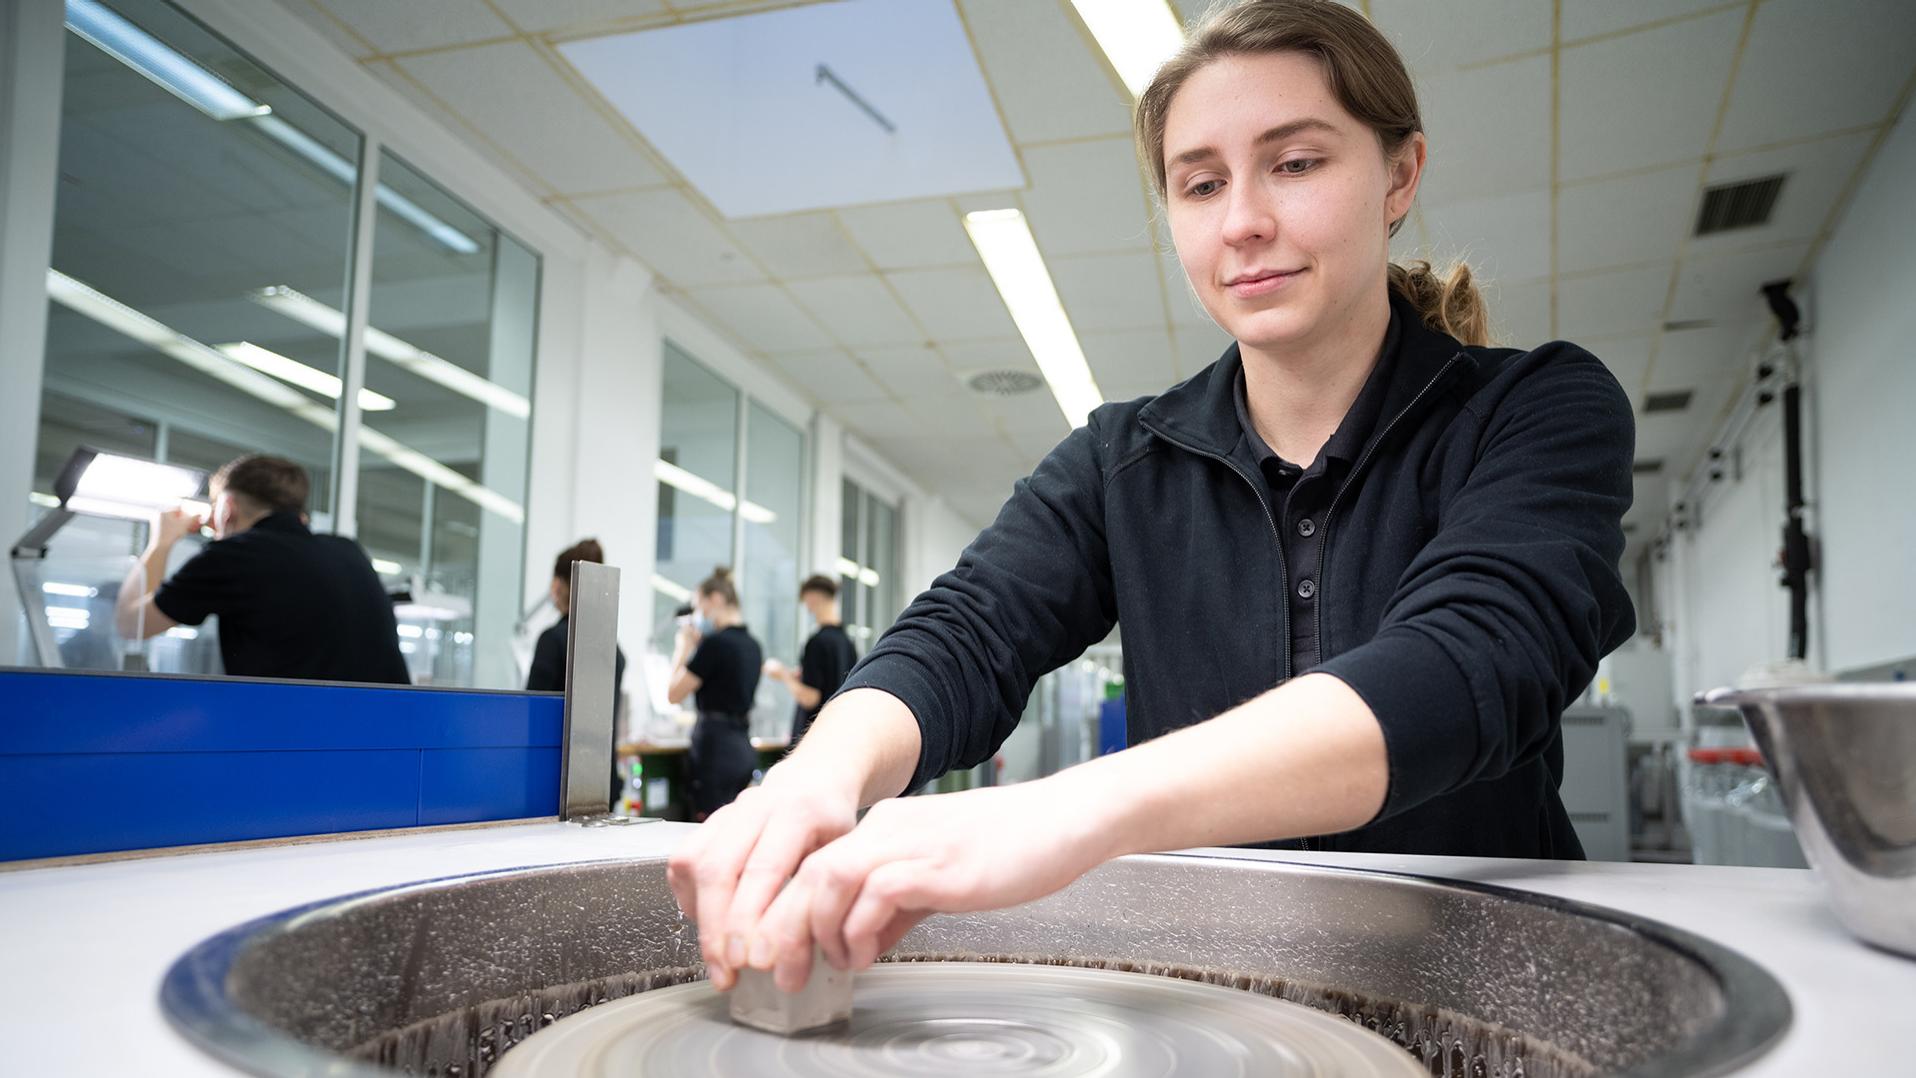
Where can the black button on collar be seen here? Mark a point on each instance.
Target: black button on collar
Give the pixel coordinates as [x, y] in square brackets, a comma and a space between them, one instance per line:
[1306, 589]
[1307, 527]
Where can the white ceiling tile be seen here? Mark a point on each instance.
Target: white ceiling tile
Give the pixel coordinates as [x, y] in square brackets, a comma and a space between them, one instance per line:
[859, 310]
[1724, 288]
[1433, 37]
[1645, 99]
[1035, 445]
[831, 377]
[1812, 67]
[910, 371]
[800, 245]
[1519, 313]
[1592, 17]
[667, 232]
[907, 235]
[1036, 412]
[1198, 348]
[875, 422]
[1606, 304]
[954, 304]
[512, 95]
[1624, 221]
[1696, 356]
[1110, 292]
[1489, 131]
[316, 16]
[1048, 83]
[418, 24]
[950, 416]
[1086, 198]
[540, 16]
[1005, 354]
[1627, 357]
[1817, 173]
[1503, 238]
[1129, 365]
[763, 315]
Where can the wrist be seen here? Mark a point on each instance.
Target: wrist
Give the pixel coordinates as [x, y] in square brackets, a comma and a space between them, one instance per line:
[1099, 812]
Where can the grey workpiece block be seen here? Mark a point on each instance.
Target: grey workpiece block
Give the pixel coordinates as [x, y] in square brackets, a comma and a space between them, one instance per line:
[825, 999]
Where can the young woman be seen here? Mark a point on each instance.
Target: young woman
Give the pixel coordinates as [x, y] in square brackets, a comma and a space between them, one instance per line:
[1362, 562]
[717, 663]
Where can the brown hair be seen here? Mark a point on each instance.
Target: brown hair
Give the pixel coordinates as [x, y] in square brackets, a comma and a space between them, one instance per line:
[265, 484]
[720, 584]
[1368, 78]
[583, 550]
[820, 583]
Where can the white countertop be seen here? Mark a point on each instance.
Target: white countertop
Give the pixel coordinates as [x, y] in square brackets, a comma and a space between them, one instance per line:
[83, 947]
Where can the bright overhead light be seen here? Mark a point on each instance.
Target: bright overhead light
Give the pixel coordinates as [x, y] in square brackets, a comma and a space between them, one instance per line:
[267, 361]
[386, 568]
[851, 570]
[704, 489]
[70, 591]
[115, 315]
[670, 589]
[1137, 36]
[1011, 256]
[110, 485]
[206, 92]
[144, 53]
[310, 312]
[69, 617]
[43, 500]
[183, 632]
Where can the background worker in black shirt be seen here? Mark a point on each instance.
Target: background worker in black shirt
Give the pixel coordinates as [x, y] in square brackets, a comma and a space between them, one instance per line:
[828, 656]
[291, 604]
[717, 663]
[548, 656]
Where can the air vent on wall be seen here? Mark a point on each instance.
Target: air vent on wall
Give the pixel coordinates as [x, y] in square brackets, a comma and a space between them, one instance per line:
[1744, 204]
[1646, 467]
[1674, 401]
[1004, 383]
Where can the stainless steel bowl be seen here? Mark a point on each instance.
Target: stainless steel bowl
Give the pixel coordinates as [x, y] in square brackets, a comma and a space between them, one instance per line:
[1844, 757]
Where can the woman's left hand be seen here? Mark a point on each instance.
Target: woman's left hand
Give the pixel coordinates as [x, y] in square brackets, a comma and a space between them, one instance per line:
[911, 857]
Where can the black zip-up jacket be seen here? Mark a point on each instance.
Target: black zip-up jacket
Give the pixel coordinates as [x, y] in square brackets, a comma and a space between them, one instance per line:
[1468, 584]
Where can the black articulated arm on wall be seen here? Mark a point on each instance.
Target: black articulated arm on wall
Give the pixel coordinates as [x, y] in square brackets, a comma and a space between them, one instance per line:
[1796, 560]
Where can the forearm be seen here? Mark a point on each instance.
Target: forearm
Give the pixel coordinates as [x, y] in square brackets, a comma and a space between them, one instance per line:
[142, 580]
[1306, 758]
[806, 696]
[868, 737]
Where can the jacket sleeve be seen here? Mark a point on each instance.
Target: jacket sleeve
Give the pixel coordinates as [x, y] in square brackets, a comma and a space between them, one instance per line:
[1500, 620]
[1029, 594]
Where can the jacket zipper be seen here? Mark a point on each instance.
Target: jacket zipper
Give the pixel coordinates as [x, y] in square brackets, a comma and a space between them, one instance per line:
[1324, 549]
[1277, 540]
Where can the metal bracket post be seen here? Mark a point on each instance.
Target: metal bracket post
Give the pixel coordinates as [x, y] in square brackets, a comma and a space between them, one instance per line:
[591, 668]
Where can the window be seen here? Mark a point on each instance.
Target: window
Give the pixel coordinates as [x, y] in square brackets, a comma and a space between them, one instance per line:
[773, 520]
[868, 565]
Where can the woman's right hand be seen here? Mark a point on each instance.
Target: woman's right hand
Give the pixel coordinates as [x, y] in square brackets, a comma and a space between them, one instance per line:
[729, 871]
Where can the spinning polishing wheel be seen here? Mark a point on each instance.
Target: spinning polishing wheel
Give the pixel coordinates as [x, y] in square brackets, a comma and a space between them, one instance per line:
[933, 1019]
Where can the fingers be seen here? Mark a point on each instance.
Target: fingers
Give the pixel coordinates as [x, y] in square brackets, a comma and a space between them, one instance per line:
[735, 831]
[782, 941]
[895, 896]
[781, 846]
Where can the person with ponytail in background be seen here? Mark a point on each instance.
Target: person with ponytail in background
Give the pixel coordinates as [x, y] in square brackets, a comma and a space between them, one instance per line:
[1362, 562]
[717, 663]
[548, 656]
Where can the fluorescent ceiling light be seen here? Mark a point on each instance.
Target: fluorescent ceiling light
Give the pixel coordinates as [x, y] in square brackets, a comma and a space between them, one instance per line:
[1011, 256]
[1137, 36]
[43, 500]
[853, 571]
[110, 485]
[267, 361]
[308, 311]
[206, 92]
[71, 591]
[69, 617]
[386, 568]
[670, 589]
[145, 54]
[118, 316]
[413, 631]
[704, 489]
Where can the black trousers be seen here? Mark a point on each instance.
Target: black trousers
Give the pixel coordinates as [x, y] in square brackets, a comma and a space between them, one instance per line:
[722, 760]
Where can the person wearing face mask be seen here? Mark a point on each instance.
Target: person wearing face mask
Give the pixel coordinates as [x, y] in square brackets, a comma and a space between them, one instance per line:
[827, 658]
[717, 662]
[291, 604]
[1362, 562]
[547, 673]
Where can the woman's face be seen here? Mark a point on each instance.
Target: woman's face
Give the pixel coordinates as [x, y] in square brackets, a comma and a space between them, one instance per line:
[1280, 201]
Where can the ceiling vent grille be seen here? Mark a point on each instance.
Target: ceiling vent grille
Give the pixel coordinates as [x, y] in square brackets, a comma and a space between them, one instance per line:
[1674, 401]
[1646, 467]
[1004, 383]
[1744, 204]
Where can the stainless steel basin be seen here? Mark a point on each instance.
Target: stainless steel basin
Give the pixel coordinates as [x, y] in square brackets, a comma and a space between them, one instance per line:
[1844, 757]
[441, 977]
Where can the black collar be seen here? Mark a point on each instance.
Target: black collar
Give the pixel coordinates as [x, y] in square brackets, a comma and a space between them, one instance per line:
[1200, 413]
[286, 521]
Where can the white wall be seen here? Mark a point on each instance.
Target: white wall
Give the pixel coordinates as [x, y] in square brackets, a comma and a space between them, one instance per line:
[1718, 590]
[1865, 369]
